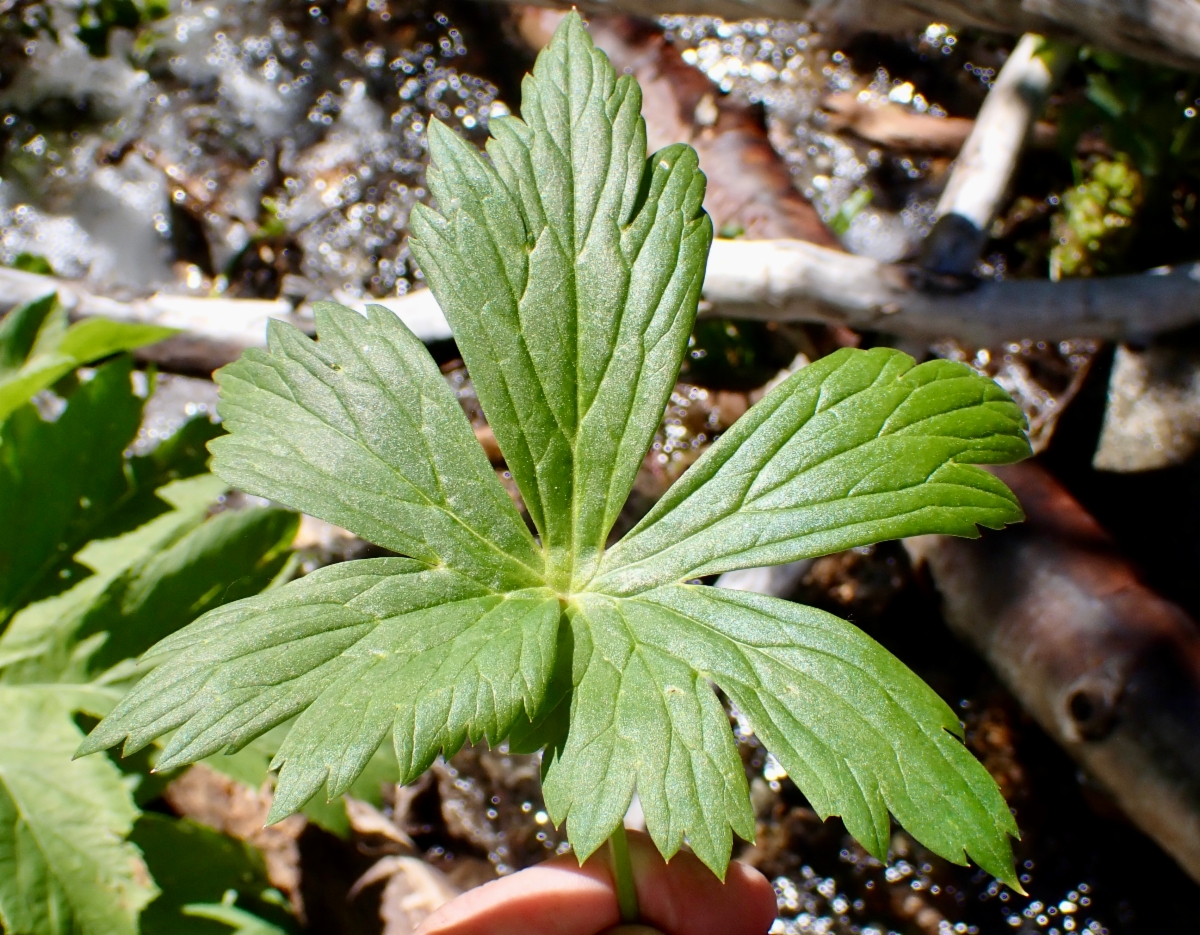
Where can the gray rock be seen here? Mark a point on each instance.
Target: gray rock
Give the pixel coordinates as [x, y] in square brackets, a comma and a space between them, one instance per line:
[1153, 416]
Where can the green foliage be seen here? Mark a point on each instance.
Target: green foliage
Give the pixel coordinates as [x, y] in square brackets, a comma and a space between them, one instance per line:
[569, 266]
[195, 865]
[64, 864]
[233, 555]
[1093, 229]
[1141, 110]
[98, 18]
[1128, 129]
[37, 348]
[103, 554]
[242, 922]
[93, 491]
[851, 208]
[41, 641]
[33, 263]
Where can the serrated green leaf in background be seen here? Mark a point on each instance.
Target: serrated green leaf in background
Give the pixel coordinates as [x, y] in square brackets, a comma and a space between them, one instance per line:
[67, 481]
[37, 349]
[19, 331]
[39, 644]
[65, 868]
[569, 269]
[233, 555]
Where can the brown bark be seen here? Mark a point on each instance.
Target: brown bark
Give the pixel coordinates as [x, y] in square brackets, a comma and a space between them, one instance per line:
[1110, 669]
[894, 127]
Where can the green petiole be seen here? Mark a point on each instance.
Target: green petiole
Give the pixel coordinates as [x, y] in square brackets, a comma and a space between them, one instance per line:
[627, 899]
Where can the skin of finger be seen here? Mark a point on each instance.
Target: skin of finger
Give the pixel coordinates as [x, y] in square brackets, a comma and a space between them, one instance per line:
[561, 898]
[557, 897]
[684, 898]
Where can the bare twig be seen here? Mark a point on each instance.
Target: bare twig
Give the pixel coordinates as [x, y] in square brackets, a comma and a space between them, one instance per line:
[793, 281]
[772, 280]
[982, 173]
[213, 330]
[895, 127]
[1106, 666]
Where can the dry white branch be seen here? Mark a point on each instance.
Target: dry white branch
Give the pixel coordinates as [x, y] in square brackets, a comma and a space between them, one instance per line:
[783, 280]
[984, 168]
[213, 330]
[772, 280]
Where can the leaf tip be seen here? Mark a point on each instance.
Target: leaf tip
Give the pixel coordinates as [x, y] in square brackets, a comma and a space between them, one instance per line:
[278, 813]
[94, 742]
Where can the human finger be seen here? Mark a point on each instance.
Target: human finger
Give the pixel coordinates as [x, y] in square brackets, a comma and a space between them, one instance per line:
[561, 898]
[684, 898]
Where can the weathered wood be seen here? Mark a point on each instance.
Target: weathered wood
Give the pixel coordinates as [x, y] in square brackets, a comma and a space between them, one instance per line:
[1109, 669]
[767, 280]
[1166, 32]
[794, 281]
[212, 330]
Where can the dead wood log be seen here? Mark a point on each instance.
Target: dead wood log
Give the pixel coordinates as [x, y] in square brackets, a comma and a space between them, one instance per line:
[1110, 669]
[1166, 32]
[1152, 420]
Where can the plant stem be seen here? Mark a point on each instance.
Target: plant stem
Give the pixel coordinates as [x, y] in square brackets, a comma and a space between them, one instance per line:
[627, 900]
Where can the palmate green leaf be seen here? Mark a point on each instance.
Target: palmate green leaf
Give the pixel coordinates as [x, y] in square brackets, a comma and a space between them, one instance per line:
[361, 430]
[346, 645]
[37, 349]
[569, 268]
[65, 868]
[856, 448]
[855, 729]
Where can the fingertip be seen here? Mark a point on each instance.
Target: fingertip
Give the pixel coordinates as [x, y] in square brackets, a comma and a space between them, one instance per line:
[757, 895]
[684, 896]
[554, 898]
